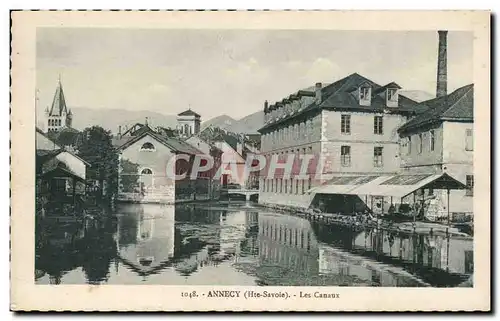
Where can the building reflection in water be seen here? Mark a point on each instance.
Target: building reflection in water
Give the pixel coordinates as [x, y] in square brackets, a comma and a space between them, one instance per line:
[252, 246]
[289, 245]
[400, 259]
[152, 238]
[146, 237]
[453, 255]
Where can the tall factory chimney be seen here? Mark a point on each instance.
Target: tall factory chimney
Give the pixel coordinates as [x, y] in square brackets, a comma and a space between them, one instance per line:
[442, 74]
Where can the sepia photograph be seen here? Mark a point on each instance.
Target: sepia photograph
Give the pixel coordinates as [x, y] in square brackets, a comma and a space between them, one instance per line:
[254, 161]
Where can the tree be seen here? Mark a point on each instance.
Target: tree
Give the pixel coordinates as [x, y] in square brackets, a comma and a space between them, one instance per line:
[129, 176]
[96, 148]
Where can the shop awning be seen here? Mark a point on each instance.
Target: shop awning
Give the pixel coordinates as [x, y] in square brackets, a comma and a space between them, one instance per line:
[396, 186]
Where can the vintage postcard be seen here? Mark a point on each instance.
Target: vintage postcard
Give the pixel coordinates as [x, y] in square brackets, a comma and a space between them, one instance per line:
[250, 161]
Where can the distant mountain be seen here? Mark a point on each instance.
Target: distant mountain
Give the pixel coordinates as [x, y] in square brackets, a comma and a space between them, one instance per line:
[110, 119]
[417, 95]
[249, 124]
[222, 121]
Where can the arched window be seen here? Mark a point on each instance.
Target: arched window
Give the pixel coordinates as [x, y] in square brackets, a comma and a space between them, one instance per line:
[148, 147]
[147, 171]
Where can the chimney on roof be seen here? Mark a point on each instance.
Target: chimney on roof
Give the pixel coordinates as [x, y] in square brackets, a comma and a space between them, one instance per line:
[266, 107]
[119, 131]
[442, 74]
[318, 92]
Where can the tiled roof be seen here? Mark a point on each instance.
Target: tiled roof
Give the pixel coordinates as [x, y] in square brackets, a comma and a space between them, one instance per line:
[131, 129]
[459, 105]
[207, 148]
[43, 155]
[389, 85]
[217, 134]
[341, 95]
[173, 143]
[189, 112]
[58, 103]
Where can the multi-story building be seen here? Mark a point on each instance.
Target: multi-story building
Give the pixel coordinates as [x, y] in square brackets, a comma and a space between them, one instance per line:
[441, 140]
[235, 150]
[144, 174]
[350, 126]
[373, 141]
[209, 148]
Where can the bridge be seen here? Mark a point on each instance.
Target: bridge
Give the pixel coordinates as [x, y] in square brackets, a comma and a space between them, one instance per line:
[241, 191]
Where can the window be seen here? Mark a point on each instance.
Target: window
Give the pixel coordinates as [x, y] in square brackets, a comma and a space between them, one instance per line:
[148, 147]
[420, 143]
[309, 183]
[469, 182]
[391, 94]
[147, 171]
[378, 125]
[268, 186]
[303, 186]
[291, 185]
[432, 140]
[296, 186]
[377, 156]
[409, 145]
[345, 124]
[272, 185]
[263, 185]
[364, 93]
[281, 185]
[286, 186]
[345, 155]
[469, 140]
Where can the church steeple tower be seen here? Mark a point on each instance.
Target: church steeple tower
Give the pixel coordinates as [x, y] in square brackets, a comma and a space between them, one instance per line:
[58, 115]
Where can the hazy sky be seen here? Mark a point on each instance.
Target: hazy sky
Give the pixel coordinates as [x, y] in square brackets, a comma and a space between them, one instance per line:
[231, 71]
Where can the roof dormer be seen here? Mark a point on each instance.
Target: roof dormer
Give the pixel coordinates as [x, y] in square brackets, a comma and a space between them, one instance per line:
[391, 94]
[391, 97]
[365, 94]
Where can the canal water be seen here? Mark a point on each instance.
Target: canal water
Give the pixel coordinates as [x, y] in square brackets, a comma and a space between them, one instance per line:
[241, 244]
